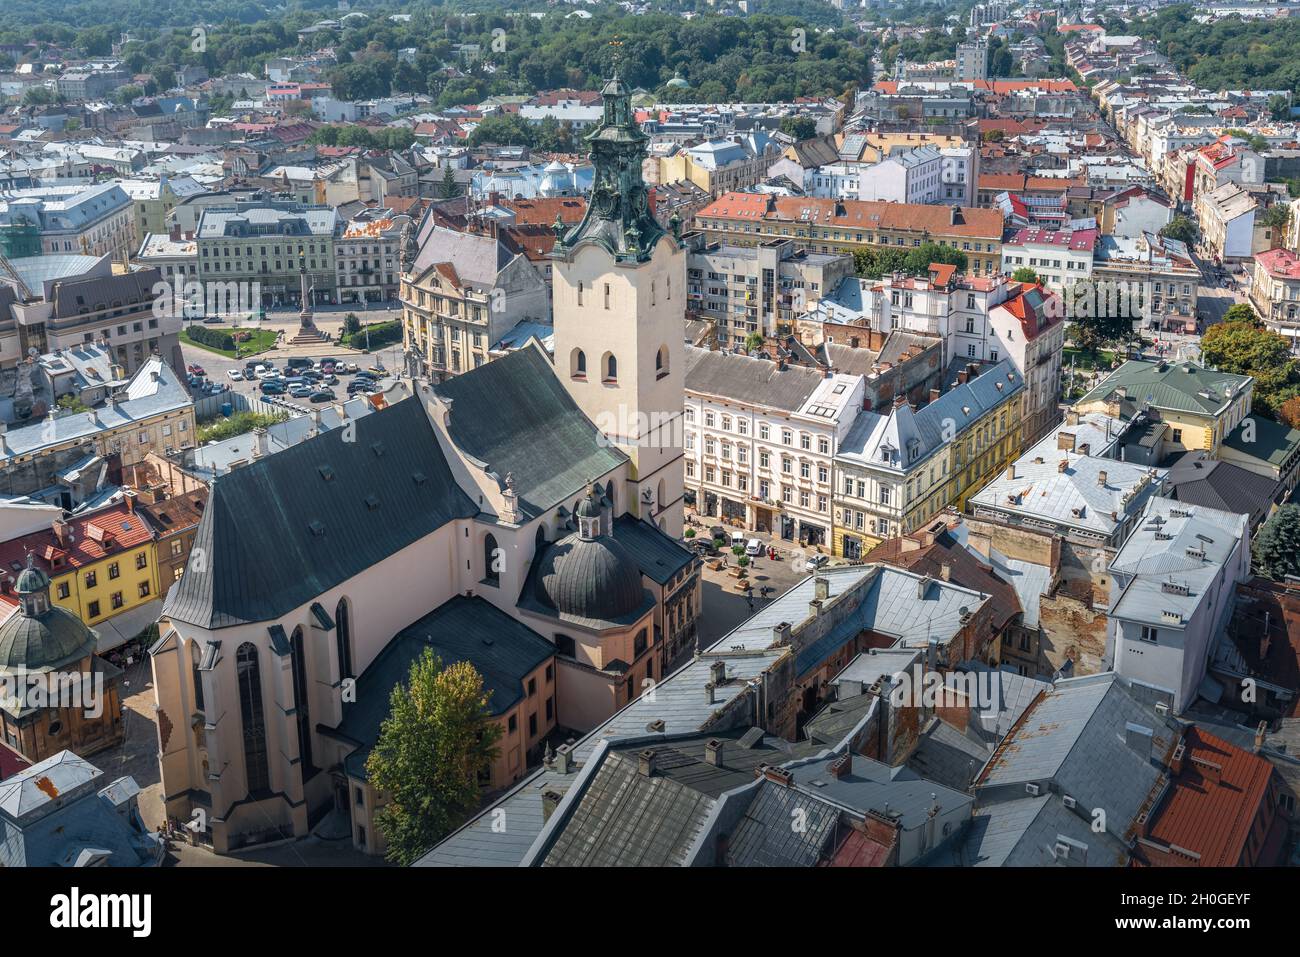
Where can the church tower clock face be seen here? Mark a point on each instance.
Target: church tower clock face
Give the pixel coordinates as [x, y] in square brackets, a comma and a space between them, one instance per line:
[620, 312]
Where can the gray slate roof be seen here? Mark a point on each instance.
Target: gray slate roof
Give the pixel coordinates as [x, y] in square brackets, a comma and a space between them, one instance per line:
[501, 649]
[288, 527]
[748, 380]
[515, 416]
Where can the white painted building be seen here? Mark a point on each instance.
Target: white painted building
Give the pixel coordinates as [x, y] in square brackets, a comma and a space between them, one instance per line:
[760, 439]
[1172, 589]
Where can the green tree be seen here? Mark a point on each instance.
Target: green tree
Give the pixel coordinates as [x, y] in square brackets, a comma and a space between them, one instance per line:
[1241, 312]
[351, 324]
[1276, 549]
[1024, 274]
[1244, 348]
[800, 127]
[1181, 229]
[448, 188]
[437, 738]
[754, 341]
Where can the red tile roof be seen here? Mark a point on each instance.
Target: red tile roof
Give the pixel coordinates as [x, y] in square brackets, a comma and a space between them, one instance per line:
[94, 536]
[1213, 803]
[542, 212]
[1079, 240]
[858, 850]
[1280, 263]
[854, 214]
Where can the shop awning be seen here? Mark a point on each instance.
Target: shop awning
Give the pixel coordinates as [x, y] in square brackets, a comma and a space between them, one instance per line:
[120, 629]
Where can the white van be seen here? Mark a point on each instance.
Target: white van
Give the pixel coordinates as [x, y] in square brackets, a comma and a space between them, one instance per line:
[737, 538]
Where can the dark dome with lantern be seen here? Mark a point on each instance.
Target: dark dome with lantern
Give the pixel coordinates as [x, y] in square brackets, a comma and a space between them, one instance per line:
[588, 574]
[591, 578]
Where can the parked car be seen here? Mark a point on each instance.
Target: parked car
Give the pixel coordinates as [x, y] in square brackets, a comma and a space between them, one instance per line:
[814, 562]
[377, 370]
[330, 379]
[235, 375]
[754, 548]
[322, 395]
[298, 362]
[271, 387]
[268, 374]
[198, 370]
[210, 320]
[301, 391]
[327, 366]
[717, 531]
[350, 367]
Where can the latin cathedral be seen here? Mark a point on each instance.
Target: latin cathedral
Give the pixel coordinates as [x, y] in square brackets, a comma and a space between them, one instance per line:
[524, 516]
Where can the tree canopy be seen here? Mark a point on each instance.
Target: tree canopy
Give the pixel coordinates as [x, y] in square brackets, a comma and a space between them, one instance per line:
[1276, 549]
[431, 748]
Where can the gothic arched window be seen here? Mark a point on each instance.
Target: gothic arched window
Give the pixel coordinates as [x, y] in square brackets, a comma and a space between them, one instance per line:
[578, 364]
[249, 675]
[300, 703]
[491, 563]
[611, 368]
[343, 637]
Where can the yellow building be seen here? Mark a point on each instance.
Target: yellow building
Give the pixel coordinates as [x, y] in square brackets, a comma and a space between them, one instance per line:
[1188, 407]
[102, 565]
[896, 471]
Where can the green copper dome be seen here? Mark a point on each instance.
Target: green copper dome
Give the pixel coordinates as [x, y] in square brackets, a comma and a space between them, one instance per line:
[40, 636]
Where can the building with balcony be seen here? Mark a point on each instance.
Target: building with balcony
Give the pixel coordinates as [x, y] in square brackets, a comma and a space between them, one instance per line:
[766, 288]
[1275, 292]
[461, 293]
[264, 245]
[897, 470]
[760, 440]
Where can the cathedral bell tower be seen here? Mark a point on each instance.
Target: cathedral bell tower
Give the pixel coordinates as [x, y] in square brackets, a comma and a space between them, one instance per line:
[620, 313]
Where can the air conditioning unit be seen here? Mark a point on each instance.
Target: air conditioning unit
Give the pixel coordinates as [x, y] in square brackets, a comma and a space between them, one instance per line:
[1032, 790]
[1069, 802]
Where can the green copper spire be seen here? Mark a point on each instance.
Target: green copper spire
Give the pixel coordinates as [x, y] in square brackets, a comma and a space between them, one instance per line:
[618, 216]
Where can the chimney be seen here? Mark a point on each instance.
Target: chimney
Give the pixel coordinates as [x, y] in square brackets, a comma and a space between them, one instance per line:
[1072, 417]
[1259, 736]
[776, 775]
[842, 766]
[550, 801]
[900, 400]
[962, 377]
[130, 495]
[563, 763]
[710, 689]
[718, 673]
[781, 633]
[934, 395]
[645, 763]
[62, 532]
[1011, 470]
[1138, 738]
[175, 234]
[1062, 465]
[259, 442]
[713, 752]
[945, 571]
[1084, 448]
[1065, 440]
[1101, 478]
[814, 608]
[821, 588]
